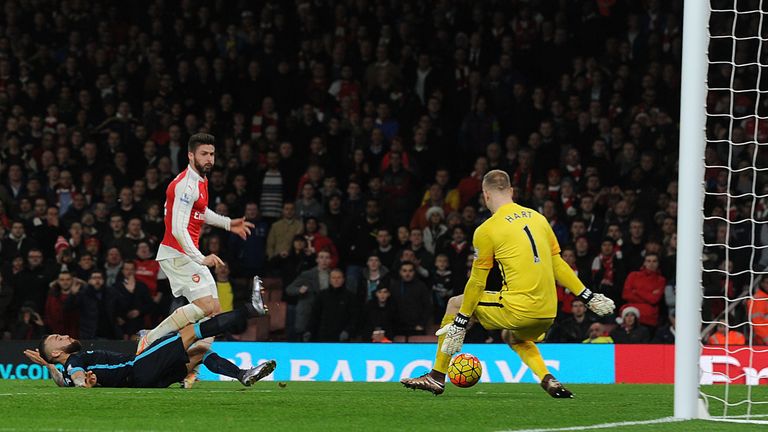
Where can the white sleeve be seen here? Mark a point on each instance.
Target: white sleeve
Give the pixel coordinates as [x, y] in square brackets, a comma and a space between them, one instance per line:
[185, 195]
[215, 219]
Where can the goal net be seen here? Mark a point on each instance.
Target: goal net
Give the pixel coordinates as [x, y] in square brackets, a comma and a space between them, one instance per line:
[734, 309]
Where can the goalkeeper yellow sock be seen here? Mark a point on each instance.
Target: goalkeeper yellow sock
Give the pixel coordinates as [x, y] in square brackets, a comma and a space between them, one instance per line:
[529, 353]
[442, 360]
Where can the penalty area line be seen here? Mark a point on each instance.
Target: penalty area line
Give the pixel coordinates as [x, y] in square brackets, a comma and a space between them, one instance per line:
[601, 425]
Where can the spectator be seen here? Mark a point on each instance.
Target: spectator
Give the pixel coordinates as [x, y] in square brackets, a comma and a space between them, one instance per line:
[630, 331]
[17, 243]
[29, 325]
[576, 327]
[380, 316]
[666, 334]
[116, 238]
[133, 301]
[724, 335]
[435, 229]
[757, 312]
[97, 304]
[644, 290]
[435, 200]
[147, 269]
[608, 270]
[32, 282]
[113, 265]
[317, 242]
[402, 240]
[374, 277]
[397, 184]
[452, 196]
[564, 296]
[333, 221]
[85, 266]
[597, 334]
[61, 315]
[134, 234]
[306, 288]
[283, 231]
[251, 252]
[444, 285]
[471, 185]
[458, 249]
[633, 248]
[224, 288]
[413, 301]
[421, 254]
[271, 189]
[384, 250]
[288, 268]
[334, 313]
[307, 205]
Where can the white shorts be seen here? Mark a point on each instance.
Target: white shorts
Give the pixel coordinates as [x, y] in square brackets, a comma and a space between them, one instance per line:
[188, 278]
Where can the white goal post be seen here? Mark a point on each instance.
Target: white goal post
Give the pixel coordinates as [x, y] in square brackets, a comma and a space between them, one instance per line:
[726, 120]
[690, 214]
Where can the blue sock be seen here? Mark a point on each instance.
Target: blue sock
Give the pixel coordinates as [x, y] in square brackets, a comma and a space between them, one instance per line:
[234, 322]
[218, 364]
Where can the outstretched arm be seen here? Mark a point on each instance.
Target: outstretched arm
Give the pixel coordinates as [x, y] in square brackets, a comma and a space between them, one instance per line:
[217, 220]
[35, 357]
[565, 276]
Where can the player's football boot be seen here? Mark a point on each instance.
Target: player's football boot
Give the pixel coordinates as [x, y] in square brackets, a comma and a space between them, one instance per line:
[189, 380]
[555, 388]
[250, 376]
[257, 298]
[424, 382]
[142, 334]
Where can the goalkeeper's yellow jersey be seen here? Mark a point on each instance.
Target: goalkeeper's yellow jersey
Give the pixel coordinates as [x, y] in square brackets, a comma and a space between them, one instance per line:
[522, 242]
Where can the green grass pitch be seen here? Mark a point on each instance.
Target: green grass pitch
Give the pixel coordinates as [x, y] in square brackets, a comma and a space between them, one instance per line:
[217, 407]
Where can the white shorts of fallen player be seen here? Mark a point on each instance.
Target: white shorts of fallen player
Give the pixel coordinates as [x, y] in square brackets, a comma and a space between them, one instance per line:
[189, 279]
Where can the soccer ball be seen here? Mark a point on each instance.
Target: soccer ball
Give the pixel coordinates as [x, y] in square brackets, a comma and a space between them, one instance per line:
[465, 370]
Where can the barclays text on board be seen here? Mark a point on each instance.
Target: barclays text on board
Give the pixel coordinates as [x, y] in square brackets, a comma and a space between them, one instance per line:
[390, 362]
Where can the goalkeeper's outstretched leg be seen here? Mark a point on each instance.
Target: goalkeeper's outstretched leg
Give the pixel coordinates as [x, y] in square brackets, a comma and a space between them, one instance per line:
[434, 380]
[530, 355]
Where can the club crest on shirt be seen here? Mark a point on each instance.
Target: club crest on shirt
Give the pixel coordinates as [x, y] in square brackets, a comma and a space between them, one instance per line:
[196, 278]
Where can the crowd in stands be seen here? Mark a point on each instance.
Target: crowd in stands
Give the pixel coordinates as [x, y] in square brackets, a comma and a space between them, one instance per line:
[354, 134]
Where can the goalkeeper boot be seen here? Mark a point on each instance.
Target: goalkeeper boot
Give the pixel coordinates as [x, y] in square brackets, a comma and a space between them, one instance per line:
[257, 298]
[425, 382]
[250, 376]
[555, 388]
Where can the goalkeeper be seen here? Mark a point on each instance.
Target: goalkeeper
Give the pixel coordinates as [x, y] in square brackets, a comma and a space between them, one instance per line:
[523, 244]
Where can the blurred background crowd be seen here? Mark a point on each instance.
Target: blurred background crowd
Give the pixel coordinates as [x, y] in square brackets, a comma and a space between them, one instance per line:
[354, 134]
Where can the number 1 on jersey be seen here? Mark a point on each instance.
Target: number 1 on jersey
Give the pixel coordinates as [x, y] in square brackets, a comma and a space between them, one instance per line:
[533, 244]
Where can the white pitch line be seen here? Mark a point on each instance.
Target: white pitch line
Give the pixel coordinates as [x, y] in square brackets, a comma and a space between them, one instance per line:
[727, 420]
[601, 425]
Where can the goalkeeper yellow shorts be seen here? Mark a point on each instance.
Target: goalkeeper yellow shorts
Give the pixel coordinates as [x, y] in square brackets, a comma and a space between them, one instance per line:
[493, 314]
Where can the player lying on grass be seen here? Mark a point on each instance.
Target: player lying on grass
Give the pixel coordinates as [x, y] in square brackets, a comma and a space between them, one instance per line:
[163, 363]
[523, 244]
